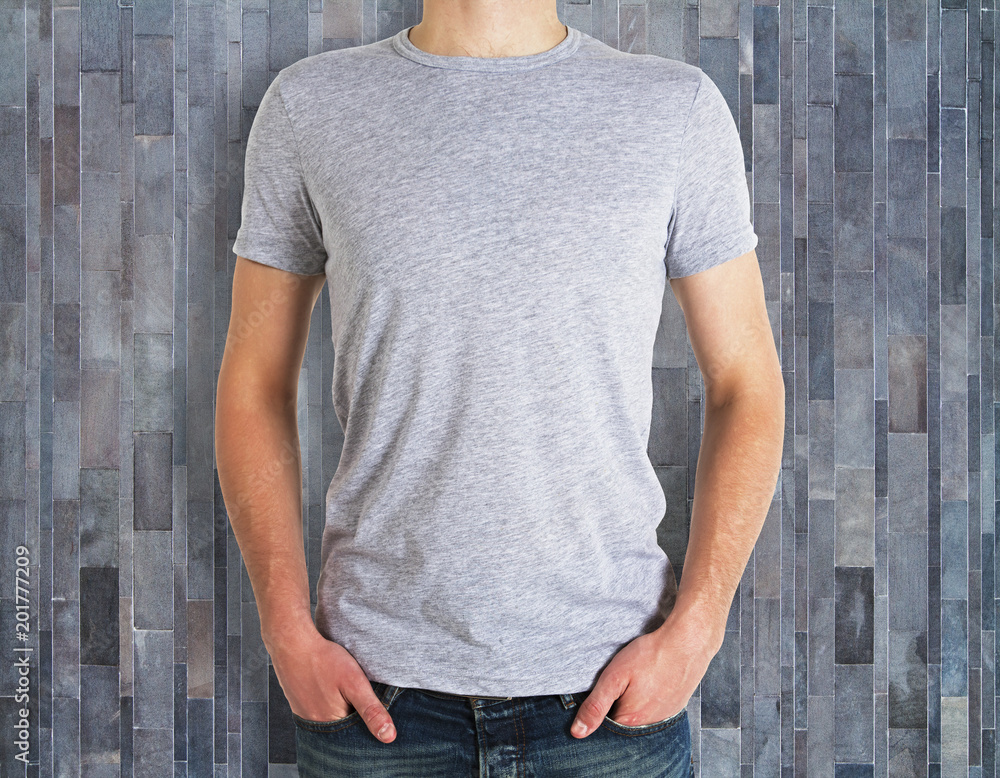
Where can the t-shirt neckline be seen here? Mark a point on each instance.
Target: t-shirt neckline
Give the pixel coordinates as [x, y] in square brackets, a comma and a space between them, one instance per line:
[402, 44]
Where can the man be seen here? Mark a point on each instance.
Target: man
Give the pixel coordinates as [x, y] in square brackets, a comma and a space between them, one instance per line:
[496, 201]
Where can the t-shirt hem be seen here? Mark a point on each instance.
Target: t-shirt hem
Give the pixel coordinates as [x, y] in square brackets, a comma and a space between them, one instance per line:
[527, 690]
[719, 257]
[280, 263]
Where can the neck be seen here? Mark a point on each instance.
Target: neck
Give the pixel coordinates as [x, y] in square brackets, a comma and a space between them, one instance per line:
[488, 28]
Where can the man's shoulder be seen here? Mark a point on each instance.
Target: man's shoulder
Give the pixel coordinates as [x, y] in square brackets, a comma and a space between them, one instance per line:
[664, 76]
[339, 68]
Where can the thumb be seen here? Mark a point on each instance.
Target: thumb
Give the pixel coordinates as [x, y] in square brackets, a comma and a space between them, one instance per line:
[596, 706]
[373, 712]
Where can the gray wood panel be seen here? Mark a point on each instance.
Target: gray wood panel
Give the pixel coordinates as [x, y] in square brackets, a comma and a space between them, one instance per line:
[862, 641]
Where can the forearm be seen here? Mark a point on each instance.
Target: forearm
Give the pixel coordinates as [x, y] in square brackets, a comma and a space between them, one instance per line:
[260, 473]
[738, 467]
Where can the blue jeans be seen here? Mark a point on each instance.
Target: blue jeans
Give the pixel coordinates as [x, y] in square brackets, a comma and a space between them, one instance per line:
[440, 735]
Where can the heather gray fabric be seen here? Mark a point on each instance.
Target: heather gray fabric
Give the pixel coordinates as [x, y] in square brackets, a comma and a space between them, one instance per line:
[496, 235]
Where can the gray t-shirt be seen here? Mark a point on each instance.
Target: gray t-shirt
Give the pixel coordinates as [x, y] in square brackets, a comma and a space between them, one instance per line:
[496, 234]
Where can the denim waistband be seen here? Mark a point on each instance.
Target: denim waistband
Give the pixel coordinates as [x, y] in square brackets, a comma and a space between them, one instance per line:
[568, 700]
[450, 696]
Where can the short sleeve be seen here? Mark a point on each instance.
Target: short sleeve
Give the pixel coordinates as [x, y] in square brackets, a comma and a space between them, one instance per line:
[279, 225]
[710, 220]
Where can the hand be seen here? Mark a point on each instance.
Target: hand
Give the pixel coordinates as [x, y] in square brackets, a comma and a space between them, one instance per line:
[323, 682]
[650, 679]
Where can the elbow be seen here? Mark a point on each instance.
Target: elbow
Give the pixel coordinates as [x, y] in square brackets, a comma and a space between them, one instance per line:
[763, 388]
[241, 384]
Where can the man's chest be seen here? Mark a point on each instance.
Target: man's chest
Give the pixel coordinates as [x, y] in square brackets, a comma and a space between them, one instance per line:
[447, 194]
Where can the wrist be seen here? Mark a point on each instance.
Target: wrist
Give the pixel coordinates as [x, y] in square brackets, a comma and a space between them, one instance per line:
[280, 632]
[700, 623]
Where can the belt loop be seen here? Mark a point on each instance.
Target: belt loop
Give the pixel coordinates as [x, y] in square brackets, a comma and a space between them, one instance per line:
[568, 700]
[388, 693]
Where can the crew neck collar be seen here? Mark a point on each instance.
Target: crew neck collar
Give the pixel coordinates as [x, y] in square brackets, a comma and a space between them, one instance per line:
[402, 44]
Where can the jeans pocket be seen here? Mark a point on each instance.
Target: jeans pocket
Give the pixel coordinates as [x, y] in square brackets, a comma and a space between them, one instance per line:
[644, 729]
[641, 729]
[326, 726]
[383, 691]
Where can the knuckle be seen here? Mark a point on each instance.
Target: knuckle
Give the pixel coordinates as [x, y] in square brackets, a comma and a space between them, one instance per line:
[374, 713]
[592, 709]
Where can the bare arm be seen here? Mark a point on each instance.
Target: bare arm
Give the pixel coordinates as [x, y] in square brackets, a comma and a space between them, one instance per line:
[740, 456]
[256, 438]
[653, 677]
[260, 472]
